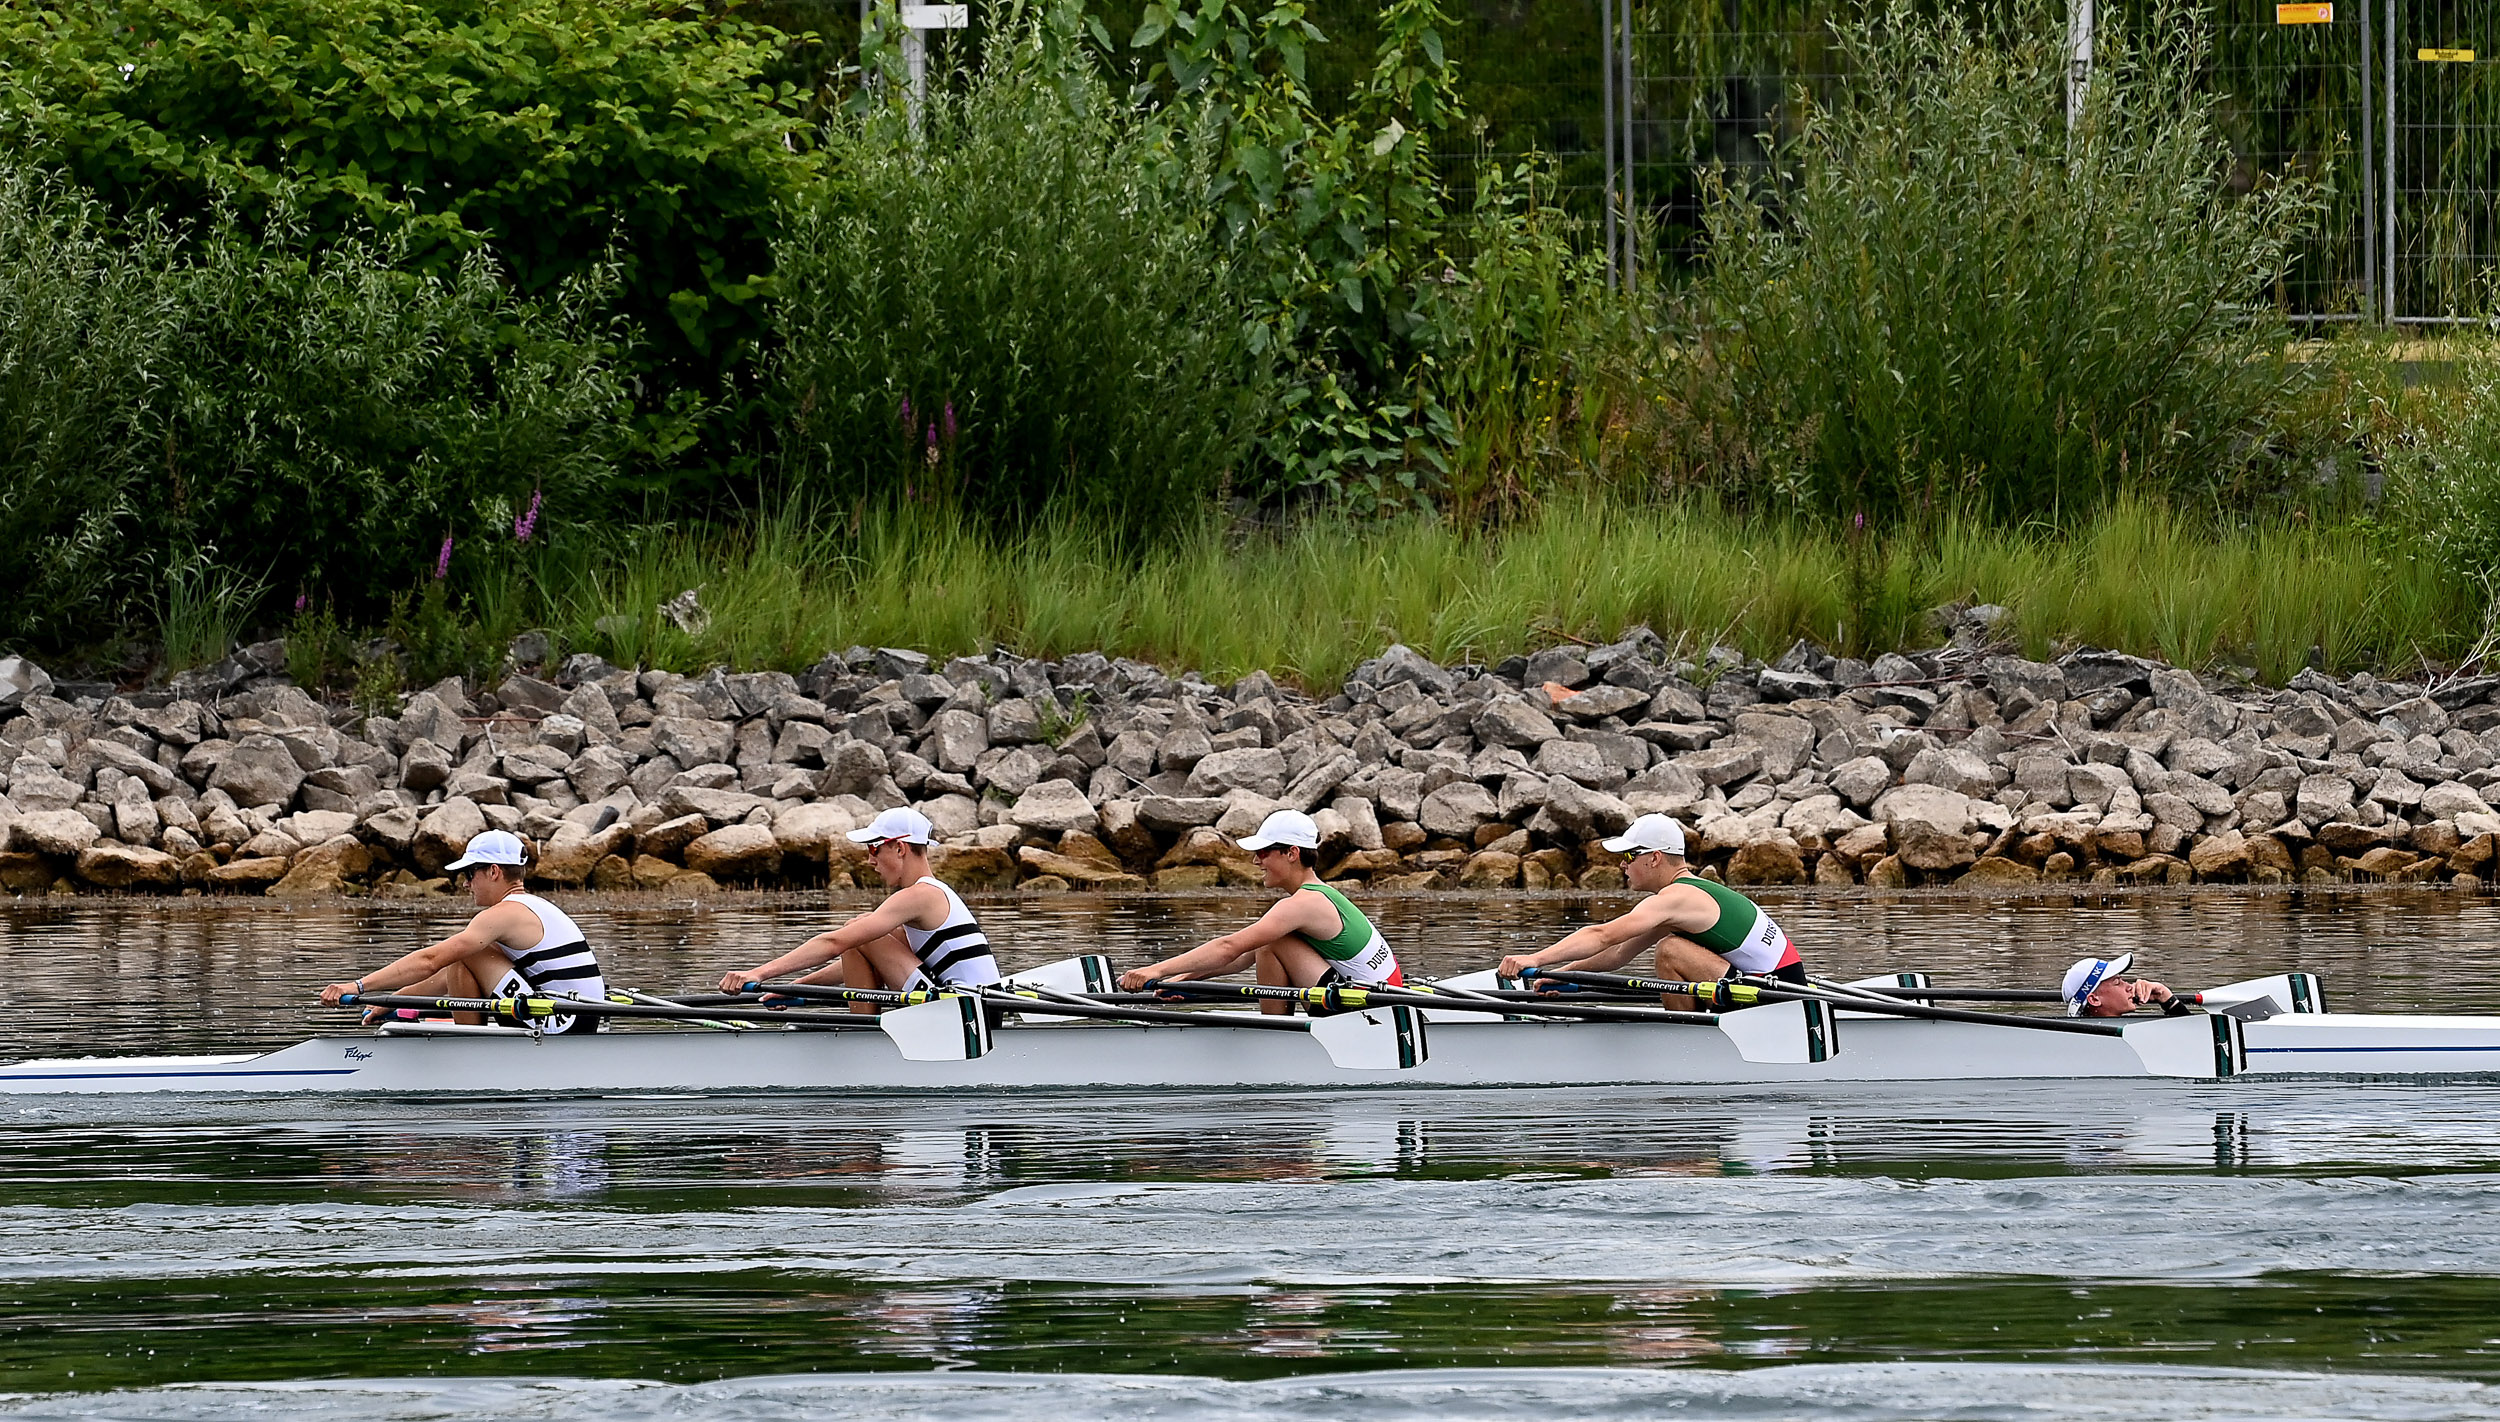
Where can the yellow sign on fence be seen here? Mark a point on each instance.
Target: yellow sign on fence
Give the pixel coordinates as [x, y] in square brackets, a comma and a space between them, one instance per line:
[2445, 56]
[2314, 14]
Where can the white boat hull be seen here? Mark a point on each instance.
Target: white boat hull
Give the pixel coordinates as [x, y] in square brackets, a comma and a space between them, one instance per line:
[1121, 1056]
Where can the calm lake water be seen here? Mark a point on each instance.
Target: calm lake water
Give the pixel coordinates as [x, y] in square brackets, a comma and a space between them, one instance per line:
[2160, 1248]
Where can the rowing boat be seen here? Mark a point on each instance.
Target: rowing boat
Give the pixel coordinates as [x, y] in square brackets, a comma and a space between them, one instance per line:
[1470, 1044]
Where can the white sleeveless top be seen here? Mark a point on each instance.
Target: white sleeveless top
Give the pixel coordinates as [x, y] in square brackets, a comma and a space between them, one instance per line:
[561, 965]
[956, 951]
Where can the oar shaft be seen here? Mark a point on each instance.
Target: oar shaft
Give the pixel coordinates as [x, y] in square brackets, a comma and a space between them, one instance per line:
[538, 1007]
[1104, 1012]
[1349, 997]
[1771, 990]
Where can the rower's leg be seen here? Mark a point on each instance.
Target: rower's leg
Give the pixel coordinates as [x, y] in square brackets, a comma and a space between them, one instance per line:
[886, 962]
[1288, 961]
[472, 976]
[1684, 960]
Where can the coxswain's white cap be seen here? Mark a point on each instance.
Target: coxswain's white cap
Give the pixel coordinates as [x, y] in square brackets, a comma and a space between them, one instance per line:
[902, 822]
[1664, 833]
[1286, 827]
[2087, 974]
[493, 847]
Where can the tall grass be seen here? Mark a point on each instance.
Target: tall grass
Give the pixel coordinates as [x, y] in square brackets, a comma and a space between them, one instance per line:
[1948, 301]
[1021, 305]
[1310, 602]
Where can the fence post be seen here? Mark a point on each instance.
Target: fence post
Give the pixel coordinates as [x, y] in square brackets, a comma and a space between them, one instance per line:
[2079, 23]
[2369, 185]
[1606, 85]
[2387, 189]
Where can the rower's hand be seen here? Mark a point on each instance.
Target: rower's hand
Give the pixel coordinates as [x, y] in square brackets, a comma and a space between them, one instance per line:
[335, 992]
[2151, 994]
[1516, 964]
[736, 979]
[1135, 979]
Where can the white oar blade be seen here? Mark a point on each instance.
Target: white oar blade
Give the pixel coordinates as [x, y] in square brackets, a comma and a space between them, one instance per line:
[1892, 982]
[1088, 974]
[2204, 1046]
[1484, 981]
[951, 1029]
[2292, 992]
[1793, 1033]
[1374, 1039]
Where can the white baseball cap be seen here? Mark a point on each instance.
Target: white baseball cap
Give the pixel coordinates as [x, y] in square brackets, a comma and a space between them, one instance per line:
[902, 822]
[2087, 974]
[1664, 833]
[1287, 827]
[493, 847]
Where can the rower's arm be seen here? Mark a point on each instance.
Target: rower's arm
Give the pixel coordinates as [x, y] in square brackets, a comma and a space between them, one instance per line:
[1600, 947]
[484, 932]
[1234, 951]
[902, 910]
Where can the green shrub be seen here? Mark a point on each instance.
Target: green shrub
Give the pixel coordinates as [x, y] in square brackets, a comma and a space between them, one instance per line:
[189, 425]
[2444, 484]
[1946, 301]
[545, 129]
[1025, 306]
[89, 331]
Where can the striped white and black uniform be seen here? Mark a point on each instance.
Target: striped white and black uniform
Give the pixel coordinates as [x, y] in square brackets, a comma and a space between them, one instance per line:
[560, 965]
[956, 951]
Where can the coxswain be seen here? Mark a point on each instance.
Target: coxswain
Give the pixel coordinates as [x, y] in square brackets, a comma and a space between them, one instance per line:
[519, 945]
[921, 937]
[1701, 931]
[1313, 937]
[2097, 987]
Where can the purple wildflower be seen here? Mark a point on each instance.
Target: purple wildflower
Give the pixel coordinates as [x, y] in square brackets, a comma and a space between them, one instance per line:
[442, 561]
[948, 422]
[302, 600]
[907, 421]
[932, 436]
[527, 523]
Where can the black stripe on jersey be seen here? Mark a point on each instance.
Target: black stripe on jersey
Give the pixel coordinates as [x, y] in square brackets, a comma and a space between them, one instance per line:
[939, 938]
[944, 963]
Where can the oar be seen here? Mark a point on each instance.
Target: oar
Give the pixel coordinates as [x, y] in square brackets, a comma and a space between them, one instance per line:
[532, 1009]
[1389, 1040]
[2171, 1046]
[650, 1000]
[1797, 1033]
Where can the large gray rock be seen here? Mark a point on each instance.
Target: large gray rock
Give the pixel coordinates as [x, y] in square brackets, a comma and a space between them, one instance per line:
[1510, 721]
[1402, 663]
[2323, 799]
[2451, 799]
[126, 867]
[717, 807]
[1054, 807]
[425, 767]
[1860, 780]
[1254, 768]
[2019, 686]
[739, 852]
[812, 831]
[1956, 770]
[1583, 763]
[1786, 742]
[157, 778]
[61, 833]
[19, 680]
[1165, 814]
[692, 741]
[851, 768]
[427, 717]
[260, 770]
[1182, 748]
[1013, 770]
[1723, 764]
[956, 740]
[1930, 826]
[35, 786]
[1584, 813]
[591, 706]
[1457, 810]
[1599, 702]
[1318, 782]
[1014, 722]
[2102, 787]
[444, 832]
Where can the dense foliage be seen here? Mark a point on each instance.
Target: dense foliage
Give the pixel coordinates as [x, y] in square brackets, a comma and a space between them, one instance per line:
[1018, 303]
[562, 134]
[271, 412]
[1947, 300]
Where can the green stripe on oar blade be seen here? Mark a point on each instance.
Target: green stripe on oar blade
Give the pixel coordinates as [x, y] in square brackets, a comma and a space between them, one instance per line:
[950, 1029]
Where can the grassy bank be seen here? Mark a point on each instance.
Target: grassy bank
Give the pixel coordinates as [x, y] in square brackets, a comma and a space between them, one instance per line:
[1312, 601]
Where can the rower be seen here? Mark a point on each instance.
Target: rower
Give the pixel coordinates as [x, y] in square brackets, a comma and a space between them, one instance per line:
[519, 945]
[2096, 987]
[921, 937]
[1313, 937]
[1701, 931]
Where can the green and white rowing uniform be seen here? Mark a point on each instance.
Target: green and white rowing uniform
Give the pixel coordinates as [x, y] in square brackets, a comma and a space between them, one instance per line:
[1358, 953]
[1744, 934]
